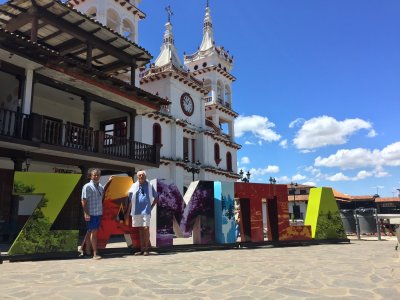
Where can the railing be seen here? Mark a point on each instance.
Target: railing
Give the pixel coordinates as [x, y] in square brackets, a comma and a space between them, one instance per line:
[123, 147]
[13, 124]
[49, 131]
[68, 135]
[208, 99]
[165, 109]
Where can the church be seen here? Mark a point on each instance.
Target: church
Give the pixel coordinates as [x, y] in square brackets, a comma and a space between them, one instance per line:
[196, 130]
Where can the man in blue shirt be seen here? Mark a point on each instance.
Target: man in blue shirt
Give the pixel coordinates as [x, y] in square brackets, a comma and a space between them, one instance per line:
[142, 198]
[92, 204]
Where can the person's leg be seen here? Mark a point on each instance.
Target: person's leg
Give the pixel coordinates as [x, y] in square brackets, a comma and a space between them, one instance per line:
[87, 243]
[146, 238]
[93, 240]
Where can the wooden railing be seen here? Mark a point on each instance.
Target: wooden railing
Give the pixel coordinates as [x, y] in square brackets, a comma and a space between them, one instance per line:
[13, 124]
[50, 131]
[123, 147]
[68, 135]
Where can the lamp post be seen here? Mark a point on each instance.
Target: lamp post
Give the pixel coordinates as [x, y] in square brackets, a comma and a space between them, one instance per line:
[243, 178]
[193, 168]
[272, 181]
[28, 162]
[293, 190]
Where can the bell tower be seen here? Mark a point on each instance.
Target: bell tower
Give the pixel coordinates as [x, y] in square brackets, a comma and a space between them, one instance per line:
[212, 64]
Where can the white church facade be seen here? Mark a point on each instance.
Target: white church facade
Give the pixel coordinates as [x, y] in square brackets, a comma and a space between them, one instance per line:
[196, 130]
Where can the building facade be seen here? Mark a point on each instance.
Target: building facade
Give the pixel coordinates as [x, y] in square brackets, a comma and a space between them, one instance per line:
[63, 105]
[196, 130]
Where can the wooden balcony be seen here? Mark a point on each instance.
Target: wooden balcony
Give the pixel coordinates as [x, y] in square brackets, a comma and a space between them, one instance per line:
[48, 131]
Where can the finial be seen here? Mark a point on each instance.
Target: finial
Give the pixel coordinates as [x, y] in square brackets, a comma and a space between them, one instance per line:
[169, 12]
[207, 3]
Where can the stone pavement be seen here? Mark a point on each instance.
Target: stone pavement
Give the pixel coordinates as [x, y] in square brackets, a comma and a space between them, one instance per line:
[365, 269]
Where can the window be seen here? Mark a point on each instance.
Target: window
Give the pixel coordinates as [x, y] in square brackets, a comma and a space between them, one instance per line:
[128, 30]
[185, 148]
[217, 157]
[156, 133]
[115, 131]
[296, 212]
[229, 161]
[112, 20]
[220, 92]
[92, 12]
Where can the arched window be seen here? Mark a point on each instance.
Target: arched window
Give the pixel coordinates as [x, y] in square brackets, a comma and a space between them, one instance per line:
[207, 86]
[227, 93]
[92, 12]
[229, 161]
[217, 156]
[128, 30]
[220, 92]
[113, 20]
[156, 134]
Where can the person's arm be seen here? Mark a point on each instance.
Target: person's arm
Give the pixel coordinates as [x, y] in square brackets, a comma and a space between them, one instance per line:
[155, 194]
[129, 207]
[85, 210]
[154, 202]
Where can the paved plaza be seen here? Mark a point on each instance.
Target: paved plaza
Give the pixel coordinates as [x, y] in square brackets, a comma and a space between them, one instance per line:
[365, 269]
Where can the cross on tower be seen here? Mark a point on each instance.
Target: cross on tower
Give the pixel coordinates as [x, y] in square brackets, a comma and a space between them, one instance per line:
[207, 3]
[169, 12]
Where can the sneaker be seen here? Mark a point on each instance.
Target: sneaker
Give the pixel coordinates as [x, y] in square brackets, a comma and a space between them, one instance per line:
[138, 253]
[97, 257]
[146, 253]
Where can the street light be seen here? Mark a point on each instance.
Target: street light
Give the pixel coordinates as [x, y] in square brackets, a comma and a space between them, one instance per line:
[244, 179]
[28, 162]
[293, 190]
[192, 168]
[272, 181]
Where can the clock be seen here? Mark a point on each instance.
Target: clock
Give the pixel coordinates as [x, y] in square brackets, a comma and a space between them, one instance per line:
[187, 104]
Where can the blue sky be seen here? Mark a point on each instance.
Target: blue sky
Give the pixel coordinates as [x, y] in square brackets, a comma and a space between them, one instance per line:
[318, 85]
[317, 90]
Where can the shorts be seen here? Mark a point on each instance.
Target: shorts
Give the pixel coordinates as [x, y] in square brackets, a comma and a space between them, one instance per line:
[141, 220]
[93, 223]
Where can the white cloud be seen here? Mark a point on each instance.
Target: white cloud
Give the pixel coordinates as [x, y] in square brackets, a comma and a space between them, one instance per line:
[296, 122]
[363, 174]
[263, 171]
[323, 131]
[372, 133]
[310, 183]
[283, 180]
[391, 154]
[338, 177]
[361, 158]
[245, 160]
[314, 171]
[258, 126]
[298, 177]
[248, 143]
[349, 159]
[283, 144]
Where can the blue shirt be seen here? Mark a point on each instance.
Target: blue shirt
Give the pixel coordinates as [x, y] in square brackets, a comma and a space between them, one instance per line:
[93, 194]
[142, 201]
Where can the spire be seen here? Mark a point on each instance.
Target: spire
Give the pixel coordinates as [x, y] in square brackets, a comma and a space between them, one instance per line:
[168, 51]
[208, 38]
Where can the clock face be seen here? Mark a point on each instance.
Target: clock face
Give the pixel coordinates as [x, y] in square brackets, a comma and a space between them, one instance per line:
[187, 104]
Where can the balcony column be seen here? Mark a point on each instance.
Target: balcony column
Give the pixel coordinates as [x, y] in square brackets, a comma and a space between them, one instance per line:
[28, 91]
[214, 95]
[132, 117]
[133, 73]
[87, 106]
[231, 129]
